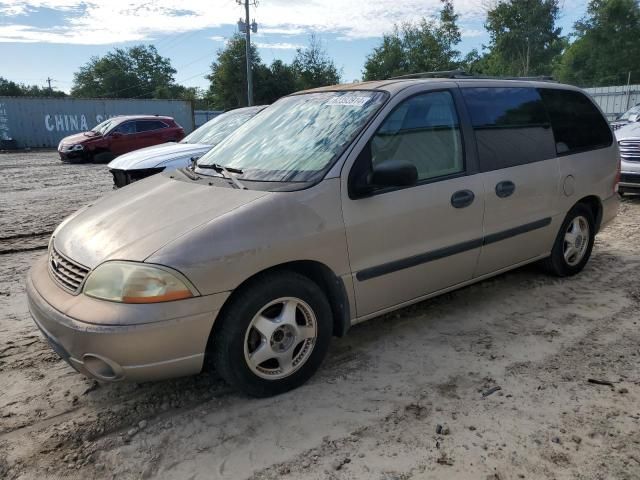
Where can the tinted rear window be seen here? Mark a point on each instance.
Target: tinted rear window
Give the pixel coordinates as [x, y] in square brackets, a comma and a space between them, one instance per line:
[511, 126]
[577, 123]
[147, 125]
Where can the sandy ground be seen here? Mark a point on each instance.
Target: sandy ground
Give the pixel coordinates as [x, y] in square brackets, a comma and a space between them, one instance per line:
[404, 396]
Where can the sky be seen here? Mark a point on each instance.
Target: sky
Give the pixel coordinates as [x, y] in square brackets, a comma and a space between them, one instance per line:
[42, 39]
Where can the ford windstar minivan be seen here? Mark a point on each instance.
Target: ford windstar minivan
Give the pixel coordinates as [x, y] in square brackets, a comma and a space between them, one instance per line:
[331, 207]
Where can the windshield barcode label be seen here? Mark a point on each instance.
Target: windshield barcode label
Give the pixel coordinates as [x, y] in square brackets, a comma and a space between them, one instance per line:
[349, 100]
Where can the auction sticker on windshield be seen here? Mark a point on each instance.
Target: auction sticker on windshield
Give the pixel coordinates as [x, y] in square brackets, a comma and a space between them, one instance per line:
[349, 100]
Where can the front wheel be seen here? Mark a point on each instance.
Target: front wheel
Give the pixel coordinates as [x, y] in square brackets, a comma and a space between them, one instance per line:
[574, 243]
[273, 335]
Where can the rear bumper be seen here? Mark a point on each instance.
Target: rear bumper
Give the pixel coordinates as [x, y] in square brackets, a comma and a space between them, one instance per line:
[171, 347]
[609, 210]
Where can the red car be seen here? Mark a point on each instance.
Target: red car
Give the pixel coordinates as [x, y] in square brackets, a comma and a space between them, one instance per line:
[119, 135]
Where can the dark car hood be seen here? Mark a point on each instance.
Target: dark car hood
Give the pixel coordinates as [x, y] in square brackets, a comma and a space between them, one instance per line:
[135, 221]
[81, 137]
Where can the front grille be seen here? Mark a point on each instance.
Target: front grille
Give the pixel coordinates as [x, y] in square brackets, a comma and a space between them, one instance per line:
[122, 178]
[630, 150]
[630, 178]
[67, 273]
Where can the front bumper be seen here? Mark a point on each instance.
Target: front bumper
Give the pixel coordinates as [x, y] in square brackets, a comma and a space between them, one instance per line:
[111, 341]
[629, 182]
[122, 178]
[71, 155]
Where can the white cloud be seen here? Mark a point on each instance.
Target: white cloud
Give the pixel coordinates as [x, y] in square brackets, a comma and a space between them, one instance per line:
[279, 45]
[116, 21]
[472, 32]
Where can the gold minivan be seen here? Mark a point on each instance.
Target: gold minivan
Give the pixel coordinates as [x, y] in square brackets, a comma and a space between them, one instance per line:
[331, 207]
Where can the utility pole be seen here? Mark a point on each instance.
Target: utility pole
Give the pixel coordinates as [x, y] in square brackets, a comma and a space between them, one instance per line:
[49, 80]
[246, 28]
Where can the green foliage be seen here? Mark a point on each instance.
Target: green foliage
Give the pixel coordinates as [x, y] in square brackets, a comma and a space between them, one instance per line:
[429, 45]
[228, 75]
[524, 39]
[135, 72]
[310, 68]
[271, 83]
[13, 89]
[313, 68]
[606, 46]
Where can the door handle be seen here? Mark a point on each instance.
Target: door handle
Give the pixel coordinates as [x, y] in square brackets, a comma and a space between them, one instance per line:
[462, 198]
[505, 188]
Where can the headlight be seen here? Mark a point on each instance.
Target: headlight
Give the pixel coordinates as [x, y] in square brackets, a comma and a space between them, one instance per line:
[130, 282]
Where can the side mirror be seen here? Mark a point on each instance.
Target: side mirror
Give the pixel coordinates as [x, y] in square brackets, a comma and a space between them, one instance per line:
[394, 173]
[193, 162]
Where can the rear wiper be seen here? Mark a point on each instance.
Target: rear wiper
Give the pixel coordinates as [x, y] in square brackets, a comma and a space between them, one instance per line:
[226, 172]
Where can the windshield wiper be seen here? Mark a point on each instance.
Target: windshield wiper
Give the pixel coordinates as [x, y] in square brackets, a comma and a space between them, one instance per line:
[226, 172]
[190, 173]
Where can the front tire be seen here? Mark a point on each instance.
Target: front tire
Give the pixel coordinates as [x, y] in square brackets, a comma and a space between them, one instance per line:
[273, 335]
[574, 243]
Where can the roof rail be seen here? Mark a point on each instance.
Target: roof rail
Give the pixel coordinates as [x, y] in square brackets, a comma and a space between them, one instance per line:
[440, 74]
[461, 74]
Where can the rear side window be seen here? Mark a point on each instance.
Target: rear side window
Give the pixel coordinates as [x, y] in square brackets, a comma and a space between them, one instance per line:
[146, 125]
[577, 123]
[126, 128]
[511, 126]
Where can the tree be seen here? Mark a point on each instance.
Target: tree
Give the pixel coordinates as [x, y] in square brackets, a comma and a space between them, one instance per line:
[228, 75]
[606, 47]
[524, 39]
[274, 82]
[310, 68]
[429, 45]
[13, 89]
[313, 67]
[135, 72]
[9, 88]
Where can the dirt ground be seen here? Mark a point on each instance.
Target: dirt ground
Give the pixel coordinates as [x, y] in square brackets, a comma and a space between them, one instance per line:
[411, 395]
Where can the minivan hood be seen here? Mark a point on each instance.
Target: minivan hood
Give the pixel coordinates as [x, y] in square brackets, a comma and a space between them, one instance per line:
[134, 222]
[631, 130]
[150, 157]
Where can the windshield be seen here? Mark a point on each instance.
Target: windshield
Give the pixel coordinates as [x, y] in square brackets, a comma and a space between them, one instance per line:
[632, 111]
[296, 138]
[102, 128]
[216, 129]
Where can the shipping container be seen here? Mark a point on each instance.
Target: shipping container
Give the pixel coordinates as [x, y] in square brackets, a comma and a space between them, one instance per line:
[33, 122]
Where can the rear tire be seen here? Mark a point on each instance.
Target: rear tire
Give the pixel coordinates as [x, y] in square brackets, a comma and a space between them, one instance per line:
[273, 335]
[573, 245]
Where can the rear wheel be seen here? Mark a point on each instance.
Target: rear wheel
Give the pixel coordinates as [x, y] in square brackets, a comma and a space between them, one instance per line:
[273, 335]
[573, 245]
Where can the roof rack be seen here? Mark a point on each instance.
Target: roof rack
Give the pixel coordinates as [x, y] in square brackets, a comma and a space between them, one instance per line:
[461, 74]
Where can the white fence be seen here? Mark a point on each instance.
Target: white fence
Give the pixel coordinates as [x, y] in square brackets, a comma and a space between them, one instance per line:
[615, 100]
